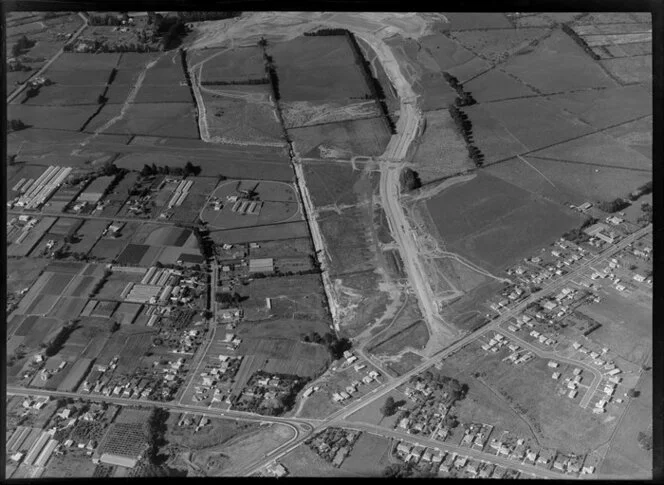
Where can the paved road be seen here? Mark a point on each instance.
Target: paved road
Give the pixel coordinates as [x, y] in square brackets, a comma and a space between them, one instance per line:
[20, 88]
[473, 453]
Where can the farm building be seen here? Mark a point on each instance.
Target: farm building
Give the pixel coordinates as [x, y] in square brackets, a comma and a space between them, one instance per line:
[95, 191]
[188, 258]
[263, 265]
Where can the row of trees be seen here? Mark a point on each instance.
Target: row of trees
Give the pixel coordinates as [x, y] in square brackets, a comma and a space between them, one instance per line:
[189, 169]
[270, 69]
[582, 43]
[204, 16]
[464, 98]
[233, 83]
[156, 431]
[577, 235]
[59, 341]
[466, 128]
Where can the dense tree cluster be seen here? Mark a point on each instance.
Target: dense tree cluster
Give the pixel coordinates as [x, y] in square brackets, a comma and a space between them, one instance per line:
[644, 440]
[204, 16]
[614, 205]
[334, 345]
[21, 45]
[16, 125]
[410, 180]
[643, 190]
[577, 235]
[646, 216]
[156, 431]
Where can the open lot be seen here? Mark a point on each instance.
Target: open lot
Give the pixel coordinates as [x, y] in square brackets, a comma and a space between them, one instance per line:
[23, 272]
[301, 247]
[472, 216]
[283, 356]
[367, 137]
[70, 118]
[636, 69]
[107, 249]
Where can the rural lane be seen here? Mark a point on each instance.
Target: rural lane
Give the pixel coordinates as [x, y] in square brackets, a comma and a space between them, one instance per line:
[20, 88]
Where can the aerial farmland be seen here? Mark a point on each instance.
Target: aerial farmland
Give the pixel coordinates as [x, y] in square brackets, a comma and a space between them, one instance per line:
[340, 244]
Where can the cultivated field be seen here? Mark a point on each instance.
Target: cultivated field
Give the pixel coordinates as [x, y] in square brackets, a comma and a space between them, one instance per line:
[495, 85]
[229, 65]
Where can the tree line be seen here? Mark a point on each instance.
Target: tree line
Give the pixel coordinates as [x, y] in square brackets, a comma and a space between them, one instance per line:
[464, 98]
[189, 169]
[465, 126]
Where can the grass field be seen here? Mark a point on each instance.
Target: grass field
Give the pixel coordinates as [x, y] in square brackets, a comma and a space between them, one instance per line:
[467, 313]
[23, 272]
[607, 107]
[367, 137]
[349, 245]
[413, 336]
[338, 183]
[372, 414]
[495, 85]
[288, 230]
[369, 457]
[233, 116]
[90, 232]
[239, 451]
[505, 128]
[440, 151]
[626, 326]
[555, 65]
[229, 65]
[471, 216]
[628, 70]
[150, 119]
[282, 356]
[279, 205]
[472, 21]
[280, 249]
[303, 462]
[625, 458]
[573, 182]
[317, 69]
[497, 45]
[405, 363]
[291, 297]
[421, 70]
[108, 249]
[69, 118]
[68, 308]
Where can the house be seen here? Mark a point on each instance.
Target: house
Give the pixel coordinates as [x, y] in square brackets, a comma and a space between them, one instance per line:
[359, 367]
[415, 454]
[427, 455]
[531, 456]
[472, 467]
[460, 461]
[486, 471]
[279, 470]
[549, 305]
[555, 375]
[587, 470]
[351, 359]
[447, 463]
[639, 278]
[560, 463]
[367, 380]
[404, 448]
[404, 423]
